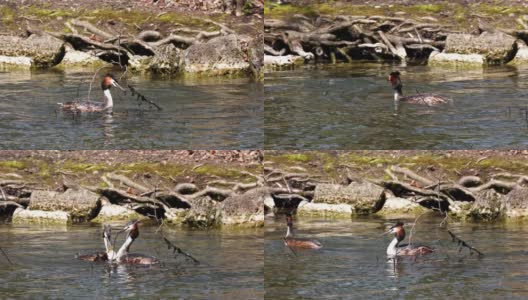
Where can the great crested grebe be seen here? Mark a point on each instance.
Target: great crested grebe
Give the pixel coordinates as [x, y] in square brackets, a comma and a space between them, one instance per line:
[395, 249]
[102, 256]
[95, 106]
[290, 241]
[124, 257]
[425, 99]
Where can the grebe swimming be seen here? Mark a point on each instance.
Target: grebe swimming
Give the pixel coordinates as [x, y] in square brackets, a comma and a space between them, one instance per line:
[122, 256]
[94, 106]
[425, 99]
[102, 256]
[290, 241]
[395, 249]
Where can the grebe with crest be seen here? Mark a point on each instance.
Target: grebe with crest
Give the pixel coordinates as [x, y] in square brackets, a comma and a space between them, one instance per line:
[95, 106]
[102, 256]
[424, 99]
[290, 241]
[395, 249]
[122, 256]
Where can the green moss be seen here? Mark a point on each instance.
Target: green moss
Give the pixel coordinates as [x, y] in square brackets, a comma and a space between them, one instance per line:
[295, 157]
[429, 8]
[217, 170]
[7, 15]
[84, 167]
[40, 12]
[287, 10]
[13, 164]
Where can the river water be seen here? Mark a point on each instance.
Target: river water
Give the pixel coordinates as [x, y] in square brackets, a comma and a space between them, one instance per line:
[350, 106]
[214, 113]
[352, 263]
[44, 265]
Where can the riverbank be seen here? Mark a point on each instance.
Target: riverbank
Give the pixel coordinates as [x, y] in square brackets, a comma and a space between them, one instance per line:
[172, 39]
[466, 34]
[197, 189]
[484, 186]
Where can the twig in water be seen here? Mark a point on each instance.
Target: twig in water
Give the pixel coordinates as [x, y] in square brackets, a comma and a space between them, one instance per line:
[462, 244]
[179, 250]
[142, 97]
[5, 255]
[293, 251]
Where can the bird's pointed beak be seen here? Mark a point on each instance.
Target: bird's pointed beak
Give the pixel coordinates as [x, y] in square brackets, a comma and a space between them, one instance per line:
[387, 232]
[114, 83]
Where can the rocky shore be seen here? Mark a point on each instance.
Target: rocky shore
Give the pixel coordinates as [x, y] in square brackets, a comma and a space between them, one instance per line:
[452, 33]
[485, 186]
[198, 189]
[169, 40]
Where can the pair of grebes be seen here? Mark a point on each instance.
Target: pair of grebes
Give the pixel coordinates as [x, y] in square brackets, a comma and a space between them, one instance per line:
[109, 81]
[123, 255]
[393, 250]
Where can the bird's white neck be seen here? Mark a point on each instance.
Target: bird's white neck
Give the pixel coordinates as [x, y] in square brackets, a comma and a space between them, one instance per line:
[289, 232]
[109, 249]
[123, 251]
[392, 250]
[109, 103]
[397, 95]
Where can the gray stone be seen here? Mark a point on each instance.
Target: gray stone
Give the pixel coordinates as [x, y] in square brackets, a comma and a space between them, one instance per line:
[516, 203]
[114, 212]
[455, 59]
[218, 56]
[45, 51]
[324, 210]
[487, 206]
[82, 204]
[245, 209]
[364, 197]
[497, 47]
[26, 216]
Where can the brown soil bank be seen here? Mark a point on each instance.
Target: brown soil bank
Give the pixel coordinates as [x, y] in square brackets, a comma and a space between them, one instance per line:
[473, 185]
[205, 38]
[468, 33]
[191, 188]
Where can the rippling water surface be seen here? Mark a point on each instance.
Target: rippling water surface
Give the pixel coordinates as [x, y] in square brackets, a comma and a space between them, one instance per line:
[350, 106]
[45, 267]
[209, 113]
[352, 263]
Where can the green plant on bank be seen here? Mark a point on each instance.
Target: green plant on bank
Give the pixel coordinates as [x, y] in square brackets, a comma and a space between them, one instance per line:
[10, 165]
[454, 12]
[45, 14]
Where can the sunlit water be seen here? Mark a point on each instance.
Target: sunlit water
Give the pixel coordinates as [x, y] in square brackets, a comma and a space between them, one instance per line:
[352, 263]
[44, 265]
[350, 106]
[215, 113]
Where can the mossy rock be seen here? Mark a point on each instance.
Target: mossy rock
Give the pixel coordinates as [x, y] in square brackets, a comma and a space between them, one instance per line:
[246, 209]
[219, 56]
[204, 213]
[83, 205]
[324, 210]
[364, 197]
[113, 212]
[26, 216]
[487, 207]
[45, 51]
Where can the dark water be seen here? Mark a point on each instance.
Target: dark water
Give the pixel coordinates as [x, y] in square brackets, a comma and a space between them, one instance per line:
[45, 267]
[352, 264]
[351, 107]
[211, 113]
